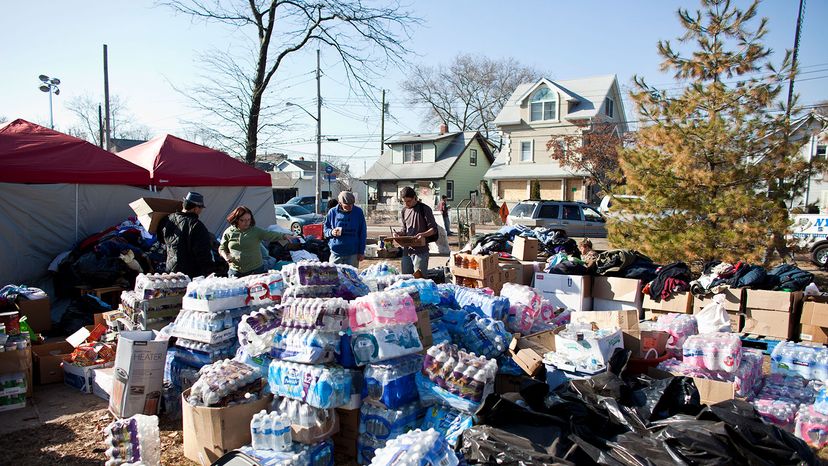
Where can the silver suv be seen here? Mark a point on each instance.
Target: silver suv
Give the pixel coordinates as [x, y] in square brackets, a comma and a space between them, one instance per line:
[573, 218]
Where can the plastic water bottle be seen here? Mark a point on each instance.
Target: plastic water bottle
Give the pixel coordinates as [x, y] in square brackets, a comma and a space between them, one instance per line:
[133, 440]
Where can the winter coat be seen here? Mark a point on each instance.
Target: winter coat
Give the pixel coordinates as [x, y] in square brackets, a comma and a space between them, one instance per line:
[189, 246]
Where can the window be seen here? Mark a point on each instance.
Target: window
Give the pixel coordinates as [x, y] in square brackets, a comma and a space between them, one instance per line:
[592, 215]
[548, 211]
[523, 209]
[526, 151]
[412, 153]
[571, 212]
[820, 152]
[609, 107]
[543, 105]
[450, 189]
[473, 157]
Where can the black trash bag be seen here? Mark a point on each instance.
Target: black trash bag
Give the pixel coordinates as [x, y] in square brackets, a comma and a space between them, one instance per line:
[438, 274]
[98, 271]
[490, 445]
[318, 247]
[80, 312]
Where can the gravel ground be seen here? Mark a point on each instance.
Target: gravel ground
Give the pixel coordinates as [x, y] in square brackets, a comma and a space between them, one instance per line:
[79, 440]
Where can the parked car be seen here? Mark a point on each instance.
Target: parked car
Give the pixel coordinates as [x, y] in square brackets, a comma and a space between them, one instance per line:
[608, 201]
[294, 217]
[810, 231]
[307, 202]
[573, 218]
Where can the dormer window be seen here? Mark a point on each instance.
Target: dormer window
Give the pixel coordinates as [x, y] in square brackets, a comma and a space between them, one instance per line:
[412, 153]
[543, 105]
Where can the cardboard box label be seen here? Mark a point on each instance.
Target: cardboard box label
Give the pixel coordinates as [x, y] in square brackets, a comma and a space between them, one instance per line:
[139, 374]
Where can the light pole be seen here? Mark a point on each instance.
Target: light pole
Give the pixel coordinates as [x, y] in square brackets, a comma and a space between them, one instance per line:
[50, 85]
[318, 148]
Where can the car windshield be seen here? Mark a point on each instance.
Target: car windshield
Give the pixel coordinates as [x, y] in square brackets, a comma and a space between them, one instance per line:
[296, 210]
[524, 209]
[294, 200]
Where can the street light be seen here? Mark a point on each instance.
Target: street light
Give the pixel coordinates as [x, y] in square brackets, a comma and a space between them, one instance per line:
[50, 85]
[318, 119]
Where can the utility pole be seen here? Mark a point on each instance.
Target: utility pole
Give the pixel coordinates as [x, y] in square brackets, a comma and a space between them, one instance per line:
[788, 110]
[318, 131]
[382, 125]
[100, 128]
[364, 171]
[108, 128]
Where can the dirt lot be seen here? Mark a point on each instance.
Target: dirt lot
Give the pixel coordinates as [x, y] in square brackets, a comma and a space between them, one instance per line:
[78, 440]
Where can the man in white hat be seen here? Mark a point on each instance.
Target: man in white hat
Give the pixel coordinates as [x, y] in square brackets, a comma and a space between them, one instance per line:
[345, 226]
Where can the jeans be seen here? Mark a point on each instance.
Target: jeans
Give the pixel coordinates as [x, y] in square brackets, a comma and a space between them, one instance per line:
[447, 223]
[412, 261]
[352, 259]
[233, 273]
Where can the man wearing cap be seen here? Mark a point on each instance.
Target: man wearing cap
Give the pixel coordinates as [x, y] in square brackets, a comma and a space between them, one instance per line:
[345, 226]
[187, 240]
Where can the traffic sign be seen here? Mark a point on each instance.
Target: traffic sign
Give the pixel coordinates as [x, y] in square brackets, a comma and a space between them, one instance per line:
[328, 169]
[330, 177]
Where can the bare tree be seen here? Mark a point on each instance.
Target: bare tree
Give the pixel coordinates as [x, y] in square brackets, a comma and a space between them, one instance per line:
[124, 124]
[3, 119]
[367, 40]
[822, 108]
[469, 92]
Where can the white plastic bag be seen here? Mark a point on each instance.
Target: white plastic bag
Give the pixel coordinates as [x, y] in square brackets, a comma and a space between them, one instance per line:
[713, 317]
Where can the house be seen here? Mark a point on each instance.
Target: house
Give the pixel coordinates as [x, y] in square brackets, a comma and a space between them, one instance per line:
[436, 164]
[537, 113]
[812, 132]
[296, 177]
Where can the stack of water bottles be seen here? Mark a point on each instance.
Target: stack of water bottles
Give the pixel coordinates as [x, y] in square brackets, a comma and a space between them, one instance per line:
[524, 307]
[155, 300]
[550, 317]
[383, 325]
[747, 377]
[308, 425]
[455, 377]
[378, 424]
[716, 352]
[808, 362]
[226, 383]
[134, 440]
[679, 327]
[321, 386]
[271, 431]
[485, 305]
[264, 289]
[307, 279]
[321, 454]
[416, 448]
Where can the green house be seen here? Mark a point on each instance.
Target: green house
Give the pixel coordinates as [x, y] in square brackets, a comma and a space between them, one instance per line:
[450, 164]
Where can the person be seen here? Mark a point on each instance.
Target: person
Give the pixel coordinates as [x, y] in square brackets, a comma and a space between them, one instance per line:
[418, 221]
[332, 203]
[345, 226]
[187, 240]
[241, 243]
[443, 208]
[588, 255]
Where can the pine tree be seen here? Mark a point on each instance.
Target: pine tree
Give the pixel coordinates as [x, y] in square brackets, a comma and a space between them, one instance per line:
[712, 162]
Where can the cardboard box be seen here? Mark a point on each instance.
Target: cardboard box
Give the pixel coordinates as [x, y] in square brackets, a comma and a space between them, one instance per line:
[38, 313]
[567, 291]
[528, 351]
[13, 362]
[139, 374]
[512, 272]
[525, 249]
[652, 339]
[814, 312]
[47, 359]
[781, 301]
[627, 290]
[735, 321]
[209, 433]
[679, 302]
[81, 377]
[530, 268]
[151, 210]
[600, 304]
[710, 391]
[769, 323]
[493, 281]
[486, 265]
[409, 241]
[813, 334]
[424, 328]
[626, 320]
[103, 381]
[734, 300]
[599, 348]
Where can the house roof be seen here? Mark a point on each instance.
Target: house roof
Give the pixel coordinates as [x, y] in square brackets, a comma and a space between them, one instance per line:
[118, 144]
[308, 165]
[588, 93]
[412, 137]
[501, 170]
[384, 169]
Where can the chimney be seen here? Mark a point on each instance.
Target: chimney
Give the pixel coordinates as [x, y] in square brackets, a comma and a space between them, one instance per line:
[443, 129]
[301, 158]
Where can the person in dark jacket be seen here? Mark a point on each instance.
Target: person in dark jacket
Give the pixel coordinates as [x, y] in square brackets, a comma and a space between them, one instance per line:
[187, 240]
[345, 226]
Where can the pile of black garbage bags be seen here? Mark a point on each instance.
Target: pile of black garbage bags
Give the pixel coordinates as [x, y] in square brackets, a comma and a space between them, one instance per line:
[612, 420]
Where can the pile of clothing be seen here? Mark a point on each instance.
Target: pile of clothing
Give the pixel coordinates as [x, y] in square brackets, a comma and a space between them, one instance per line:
[626, 263]
[554, 241]
[670, 279]
[717, 275]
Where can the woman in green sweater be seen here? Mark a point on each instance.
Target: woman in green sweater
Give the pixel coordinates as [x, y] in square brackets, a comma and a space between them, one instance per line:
[241, 243]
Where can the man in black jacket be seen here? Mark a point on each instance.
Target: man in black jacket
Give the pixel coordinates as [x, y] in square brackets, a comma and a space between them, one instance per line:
[187, 239]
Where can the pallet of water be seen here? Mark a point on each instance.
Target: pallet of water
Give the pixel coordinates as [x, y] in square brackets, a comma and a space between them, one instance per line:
[214, 294]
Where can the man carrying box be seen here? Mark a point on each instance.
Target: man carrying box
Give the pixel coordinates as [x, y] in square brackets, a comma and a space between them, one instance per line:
[418, 221]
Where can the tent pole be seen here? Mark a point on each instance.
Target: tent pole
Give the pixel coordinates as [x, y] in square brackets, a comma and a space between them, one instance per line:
[76, 213]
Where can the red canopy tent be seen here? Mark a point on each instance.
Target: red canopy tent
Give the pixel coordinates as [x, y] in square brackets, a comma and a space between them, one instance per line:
[30, 153]
[175, 162]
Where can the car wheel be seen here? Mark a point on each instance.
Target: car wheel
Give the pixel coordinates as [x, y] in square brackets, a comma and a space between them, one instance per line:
[819, 255]
[296, 229]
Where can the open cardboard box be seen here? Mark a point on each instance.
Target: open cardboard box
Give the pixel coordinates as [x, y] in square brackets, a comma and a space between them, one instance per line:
[151, 210]
[527, 351]
[409, 241]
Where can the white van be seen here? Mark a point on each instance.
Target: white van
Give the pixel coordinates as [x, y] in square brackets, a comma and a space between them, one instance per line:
[607, 202]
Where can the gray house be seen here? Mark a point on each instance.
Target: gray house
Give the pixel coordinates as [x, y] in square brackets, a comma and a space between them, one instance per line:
[451, 164]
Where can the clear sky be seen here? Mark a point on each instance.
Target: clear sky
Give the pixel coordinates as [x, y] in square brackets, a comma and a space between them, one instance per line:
[151, 49]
